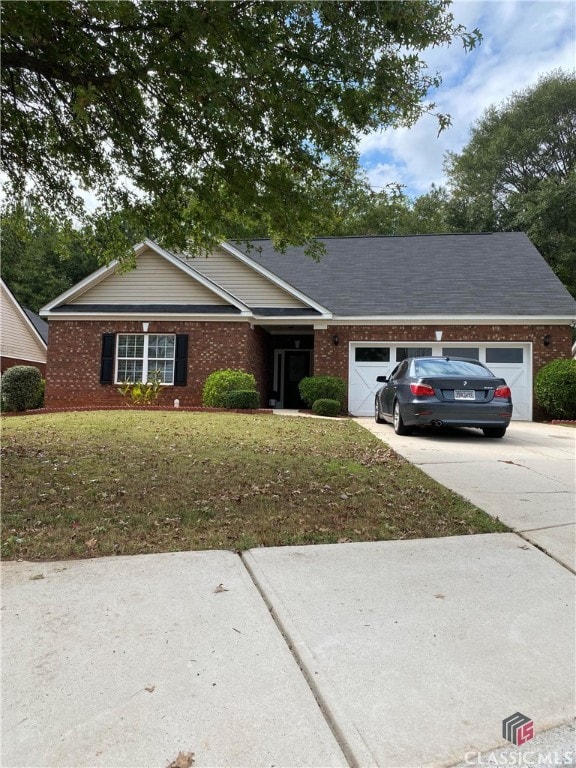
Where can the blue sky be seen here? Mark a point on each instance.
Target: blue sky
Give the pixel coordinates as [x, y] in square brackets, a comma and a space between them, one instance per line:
[522, 40]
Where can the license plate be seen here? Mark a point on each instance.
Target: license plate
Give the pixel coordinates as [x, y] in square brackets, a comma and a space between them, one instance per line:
[464, 394]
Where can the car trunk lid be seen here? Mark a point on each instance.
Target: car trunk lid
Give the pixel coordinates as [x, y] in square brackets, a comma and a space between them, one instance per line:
[462, 390]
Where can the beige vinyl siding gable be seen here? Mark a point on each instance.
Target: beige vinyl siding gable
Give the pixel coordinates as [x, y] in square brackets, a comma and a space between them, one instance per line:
[250, 287]
[17, 339]
[154, 281]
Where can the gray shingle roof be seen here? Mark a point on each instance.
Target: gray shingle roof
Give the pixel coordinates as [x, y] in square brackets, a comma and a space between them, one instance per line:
[40, 325]
[478, 274]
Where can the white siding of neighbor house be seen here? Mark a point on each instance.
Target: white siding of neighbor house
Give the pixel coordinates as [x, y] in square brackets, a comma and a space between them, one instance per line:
[17, 339]
[252, 288]
[154, 281]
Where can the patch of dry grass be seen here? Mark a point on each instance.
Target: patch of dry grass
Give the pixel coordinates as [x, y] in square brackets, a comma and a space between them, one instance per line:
[126, 482]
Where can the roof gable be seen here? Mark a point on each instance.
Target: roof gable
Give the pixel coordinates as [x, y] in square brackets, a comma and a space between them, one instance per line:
[153, 281]
[163, 283]
[159, 279]
[259, 288]
[243, 280]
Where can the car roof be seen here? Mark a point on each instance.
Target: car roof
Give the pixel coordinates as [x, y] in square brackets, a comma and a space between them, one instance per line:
[448, 357]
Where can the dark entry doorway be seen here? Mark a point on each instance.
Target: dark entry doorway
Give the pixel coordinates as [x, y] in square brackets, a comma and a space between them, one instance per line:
[296, 368]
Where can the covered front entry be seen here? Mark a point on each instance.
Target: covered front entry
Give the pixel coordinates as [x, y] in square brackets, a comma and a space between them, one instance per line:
[368, 360]
[293, 361]
[293, 366]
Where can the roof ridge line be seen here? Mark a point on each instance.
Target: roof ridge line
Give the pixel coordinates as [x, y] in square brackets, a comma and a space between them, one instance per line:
[388, 237]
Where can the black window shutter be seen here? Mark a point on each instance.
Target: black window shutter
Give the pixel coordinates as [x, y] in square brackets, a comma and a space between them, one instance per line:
[107, 363]
[181, 360]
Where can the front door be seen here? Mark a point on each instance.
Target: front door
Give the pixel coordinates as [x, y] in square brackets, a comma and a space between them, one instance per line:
[296, 368]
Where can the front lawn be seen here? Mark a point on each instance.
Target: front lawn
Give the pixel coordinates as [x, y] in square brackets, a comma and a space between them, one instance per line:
[127, 482]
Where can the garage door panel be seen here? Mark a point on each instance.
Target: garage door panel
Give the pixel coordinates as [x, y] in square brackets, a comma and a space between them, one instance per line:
[363, 384]
[363, 387]
[516, 377]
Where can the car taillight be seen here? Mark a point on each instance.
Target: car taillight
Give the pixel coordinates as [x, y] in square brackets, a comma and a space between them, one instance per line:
[421, 389]
[502, 392]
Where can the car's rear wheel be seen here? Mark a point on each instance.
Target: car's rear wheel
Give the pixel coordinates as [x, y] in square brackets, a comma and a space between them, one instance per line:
[377, 418]
[399, 427]
[494, 431]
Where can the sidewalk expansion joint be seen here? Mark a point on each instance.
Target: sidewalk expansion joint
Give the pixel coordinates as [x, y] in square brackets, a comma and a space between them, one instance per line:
[544, 550]
[545, 527]
[306, 673]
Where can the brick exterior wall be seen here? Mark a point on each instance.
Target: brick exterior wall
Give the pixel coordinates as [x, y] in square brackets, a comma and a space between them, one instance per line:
[74, 355]
[8, 362]
[260, 362]
[333, 360]
[73, 368]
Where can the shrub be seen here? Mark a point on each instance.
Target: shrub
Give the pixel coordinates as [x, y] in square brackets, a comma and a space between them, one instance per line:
[41, 393]
[243, 398]
[220, 383]
[21, 388]
[142, 393]
[314, 388]
[326, 407]
[555, 388]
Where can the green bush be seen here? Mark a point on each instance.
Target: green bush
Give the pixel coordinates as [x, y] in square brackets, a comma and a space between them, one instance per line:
[243, 398]
[21, 388]
[555, 388]
[326, 407]
[314, 388]
[41, 393]
[220, 383]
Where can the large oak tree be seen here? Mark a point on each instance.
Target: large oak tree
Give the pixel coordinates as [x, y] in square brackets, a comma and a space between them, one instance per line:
[518, 171]
[196, 114]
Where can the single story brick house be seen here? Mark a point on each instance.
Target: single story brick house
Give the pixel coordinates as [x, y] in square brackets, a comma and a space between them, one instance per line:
[23, 335]
[368, 303]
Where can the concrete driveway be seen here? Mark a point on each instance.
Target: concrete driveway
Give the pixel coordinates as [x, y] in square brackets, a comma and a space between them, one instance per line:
[527, 479]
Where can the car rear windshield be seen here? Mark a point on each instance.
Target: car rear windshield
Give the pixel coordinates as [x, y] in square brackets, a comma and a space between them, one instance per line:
[443, 367]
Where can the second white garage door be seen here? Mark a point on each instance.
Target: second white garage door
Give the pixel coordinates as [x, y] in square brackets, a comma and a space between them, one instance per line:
[368, 360]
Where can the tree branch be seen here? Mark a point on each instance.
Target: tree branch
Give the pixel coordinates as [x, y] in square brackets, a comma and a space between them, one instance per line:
[14, 60]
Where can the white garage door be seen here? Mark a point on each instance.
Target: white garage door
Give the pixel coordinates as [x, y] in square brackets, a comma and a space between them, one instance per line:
[512, 362]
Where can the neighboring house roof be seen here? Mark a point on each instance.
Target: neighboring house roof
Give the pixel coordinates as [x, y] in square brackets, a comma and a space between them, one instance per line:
[469, 274]
[20, 339]
[40, 325]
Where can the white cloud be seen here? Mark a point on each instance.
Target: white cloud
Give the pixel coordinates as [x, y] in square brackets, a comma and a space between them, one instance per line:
[522, 40]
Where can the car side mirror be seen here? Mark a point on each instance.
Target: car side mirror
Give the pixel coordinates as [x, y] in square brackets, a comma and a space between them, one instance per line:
[382, 379]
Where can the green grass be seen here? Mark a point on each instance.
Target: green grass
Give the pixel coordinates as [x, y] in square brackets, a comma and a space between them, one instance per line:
[126, 482]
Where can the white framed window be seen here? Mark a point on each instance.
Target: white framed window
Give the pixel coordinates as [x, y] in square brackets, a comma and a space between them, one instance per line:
[139, 356]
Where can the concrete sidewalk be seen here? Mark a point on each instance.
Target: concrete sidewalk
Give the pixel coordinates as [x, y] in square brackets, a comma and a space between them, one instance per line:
[527, 479]
[131, 661]
[396, 654]
[419, 649]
